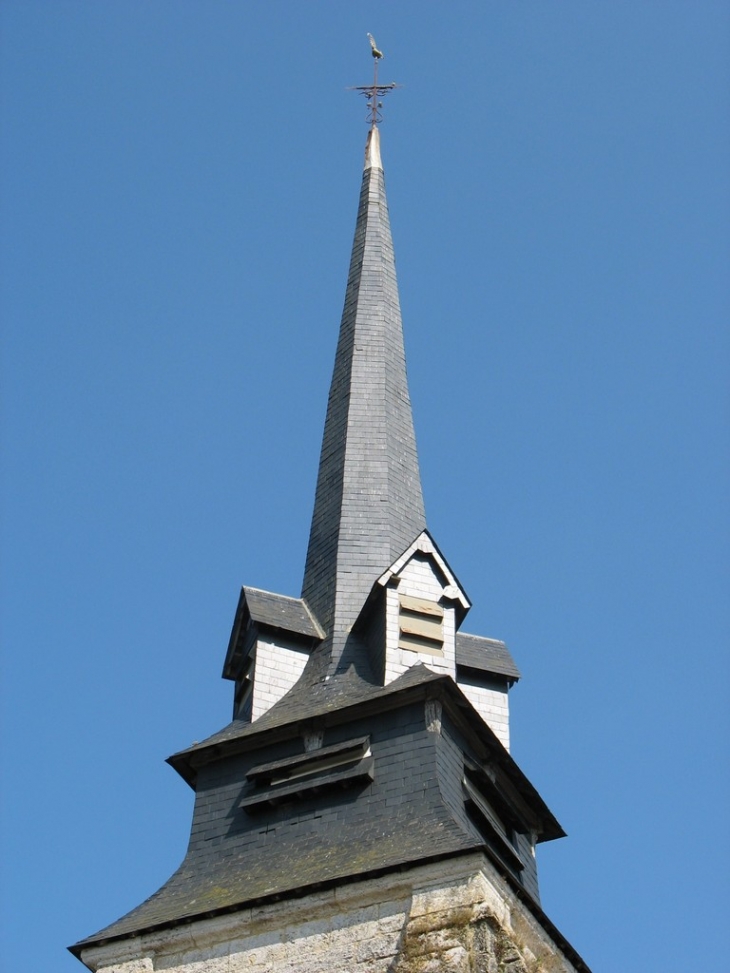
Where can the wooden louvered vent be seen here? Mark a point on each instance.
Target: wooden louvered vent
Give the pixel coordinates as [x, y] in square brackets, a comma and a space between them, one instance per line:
[421, 625]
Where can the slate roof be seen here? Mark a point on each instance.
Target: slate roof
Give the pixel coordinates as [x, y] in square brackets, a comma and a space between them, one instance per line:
[282, 612]
[267, 610]
[230, 882]
[302, 704]
[332, 840]
[487, 655]
[336, 702]
[368, 504]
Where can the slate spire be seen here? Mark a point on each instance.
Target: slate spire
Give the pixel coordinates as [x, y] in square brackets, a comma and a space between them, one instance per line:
[369, 504]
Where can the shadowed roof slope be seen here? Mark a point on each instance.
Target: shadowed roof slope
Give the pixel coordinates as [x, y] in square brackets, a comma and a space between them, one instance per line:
[369, 504]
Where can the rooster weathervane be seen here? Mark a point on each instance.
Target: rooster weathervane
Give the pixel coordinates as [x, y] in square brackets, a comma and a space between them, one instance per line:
[374, 92]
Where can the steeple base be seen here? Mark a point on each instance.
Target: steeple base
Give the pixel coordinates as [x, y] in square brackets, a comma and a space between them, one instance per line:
[457, 915]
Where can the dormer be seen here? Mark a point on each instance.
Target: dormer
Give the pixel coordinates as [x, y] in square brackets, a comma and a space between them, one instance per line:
[413, 616]
[271, 641]
[424, 606]
[485, 673]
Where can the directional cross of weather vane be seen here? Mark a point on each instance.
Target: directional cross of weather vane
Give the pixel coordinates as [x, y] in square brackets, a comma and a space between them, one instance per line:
[374, 92]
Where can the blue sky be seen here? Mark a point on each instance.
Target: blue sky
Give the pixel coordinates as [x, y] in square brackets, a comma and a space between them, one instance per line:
[179, 188]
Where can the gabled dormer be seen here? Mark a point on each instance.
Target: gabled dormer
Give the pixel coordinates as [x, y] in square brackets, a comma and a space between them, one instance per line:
[424, 605]
[414, 615]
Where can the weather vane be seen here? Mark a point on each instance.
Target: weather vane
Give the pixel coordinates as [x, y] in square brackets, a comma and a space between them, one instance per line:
[374, 92]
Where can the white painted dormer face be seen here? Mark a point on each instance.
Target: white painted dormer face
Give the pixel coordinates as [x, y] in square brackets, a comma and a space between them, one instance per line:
[421, 597]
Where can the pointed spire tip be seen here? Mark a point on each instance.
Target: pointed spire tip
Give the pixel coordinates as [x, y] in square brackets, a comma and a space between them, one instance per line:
[372, 150]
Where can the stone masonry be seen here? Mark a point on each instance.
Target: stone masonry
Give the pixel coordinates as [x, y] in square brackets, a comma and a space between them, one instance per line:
[456, 916]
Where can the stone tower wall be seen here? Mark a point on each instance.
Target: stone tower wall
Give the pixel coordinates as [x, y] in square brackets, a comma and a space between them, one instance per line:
[458, 916]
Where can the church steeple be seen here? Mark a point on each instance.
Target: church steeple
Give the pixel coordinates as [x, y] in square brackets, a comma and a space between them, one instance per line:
[369, 504]
[370, 734]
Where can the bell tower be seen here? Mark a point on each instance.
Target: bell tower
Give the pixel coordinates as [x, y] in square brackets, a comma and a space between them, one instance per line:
[361, 812]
